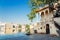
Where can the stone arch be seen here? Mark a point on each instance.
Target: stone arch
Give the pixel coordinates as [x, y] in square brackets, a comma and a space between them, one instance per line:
[46, 12]
[42, 14]
[47, 29]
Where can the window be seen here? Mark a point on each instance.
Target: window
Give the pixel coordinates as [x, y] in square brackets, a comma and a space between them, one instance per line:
[13, 26]
[41, 28]
[13, 30]
[46, 12]
[42, 14]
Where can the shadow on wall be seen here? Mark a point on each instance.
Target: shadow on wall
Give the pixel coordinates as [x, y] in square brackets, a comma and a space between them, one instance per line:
[56, 24]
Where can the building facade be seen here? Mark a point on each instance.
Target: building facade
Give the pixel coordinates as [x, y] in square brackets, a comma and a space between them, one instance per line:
[15, 28]
[23, 29]
[8, 28]
[11, 28]
[32, 28]
[2, 28]
[47, 21]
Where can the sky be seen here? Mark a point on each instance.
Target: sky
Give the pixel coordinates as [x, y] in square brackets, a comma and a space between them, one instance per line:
[15, 11]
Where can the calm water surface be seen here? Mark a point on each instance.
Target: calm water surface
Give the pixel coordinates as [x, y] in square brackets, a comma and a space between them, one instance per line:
[22, 36]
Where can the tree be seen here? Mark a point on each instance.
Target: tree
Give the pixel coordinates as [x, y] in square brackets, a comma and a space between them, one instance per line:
[19, 28]
[27, 28]
[32, 15]
[35, 4]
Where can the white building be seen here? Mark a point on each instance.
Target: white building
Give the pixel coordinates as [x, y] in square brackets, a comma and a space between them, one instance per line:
[2, 28]
[23, 28]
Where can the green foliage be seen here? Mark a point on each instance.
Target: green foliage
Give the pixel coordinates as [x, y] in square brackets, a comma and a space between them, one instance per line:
[19, 30]
[49, 1]
[27, 28]
[35, 4]
[32, 14]
[20, 26]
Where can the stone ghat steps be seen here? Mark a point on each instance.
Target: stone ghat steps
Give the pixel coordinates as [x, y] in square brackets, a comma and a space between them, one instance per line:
[58, 32]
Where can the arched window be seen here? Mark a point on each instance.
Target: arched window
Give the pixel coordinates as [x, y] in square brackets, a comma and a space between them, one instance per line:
[42, 14]
[41, 28]
[13, 26]
[46, 12]
[13, 30]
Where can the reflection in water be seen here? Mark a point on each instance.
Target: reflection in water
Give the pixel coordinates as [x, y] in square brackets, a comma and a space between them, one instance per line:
[22, 36]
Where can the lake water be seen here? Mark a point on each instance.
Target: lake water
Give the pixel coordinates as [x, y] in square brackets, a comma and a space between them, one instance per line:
[22, 36]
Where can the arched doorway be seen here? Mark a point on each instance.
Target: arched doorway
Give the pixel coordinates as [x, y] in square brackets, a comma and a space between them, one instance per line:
[47, 29]
[35, 31]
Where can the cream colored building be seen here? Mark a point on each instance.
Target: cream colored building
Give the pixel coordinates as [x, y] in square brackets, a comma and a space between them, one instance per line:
[37, 27]
[8, 28]
[32, 28]
[11, 28]
[14, 28]
[47, 21]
